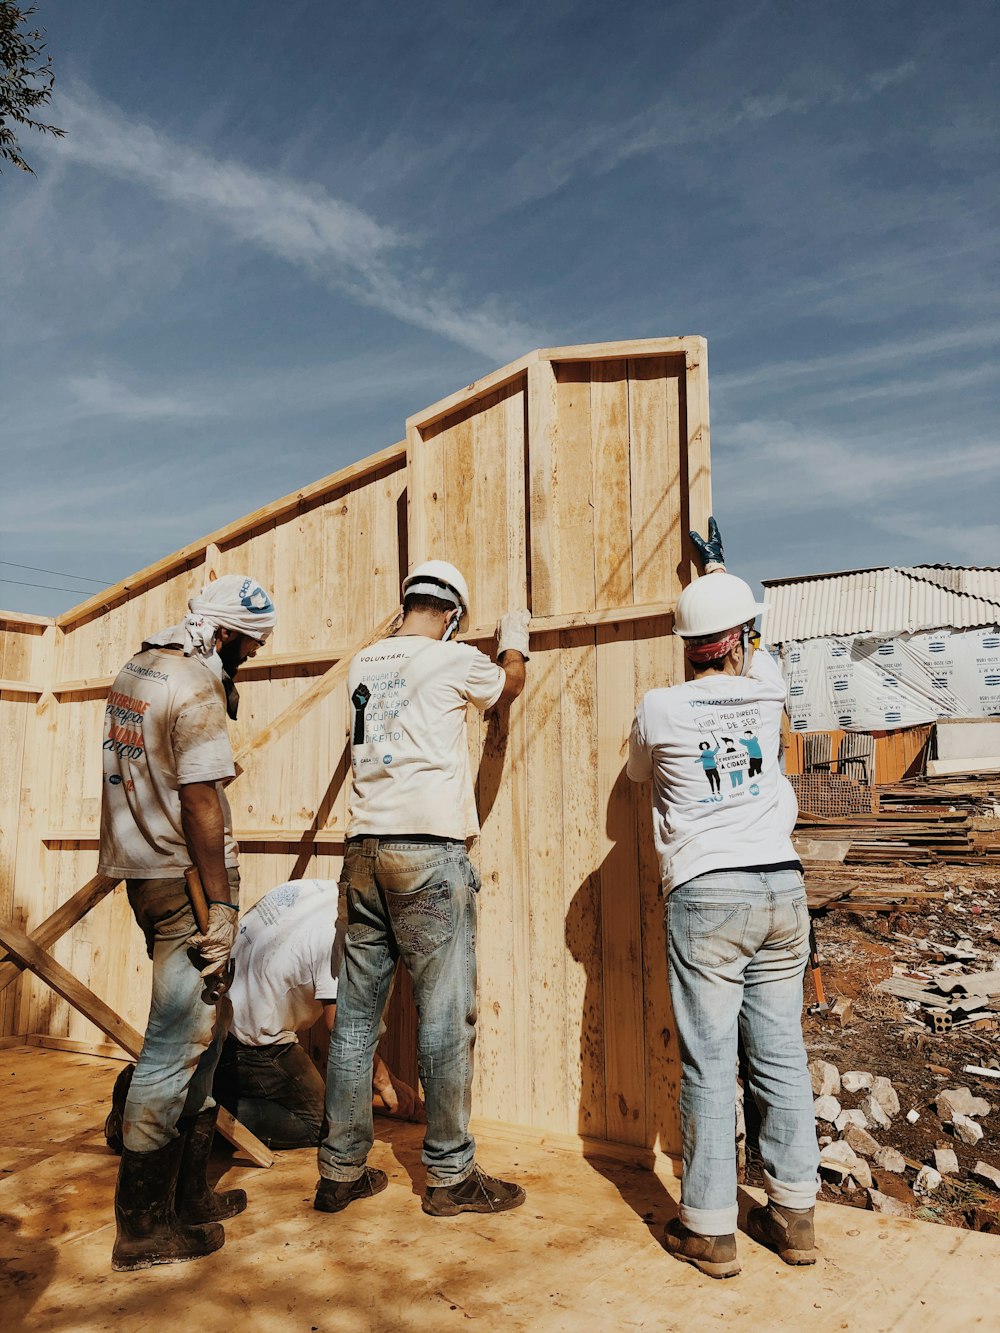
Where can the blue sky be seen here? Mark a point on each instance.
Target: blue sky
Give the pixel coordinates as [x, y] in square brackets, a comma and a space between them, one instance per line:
[273, 231]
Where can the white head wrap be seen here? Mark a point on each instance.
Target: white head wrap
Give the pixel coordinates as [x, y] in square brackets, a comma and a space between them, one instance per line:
[235, 601]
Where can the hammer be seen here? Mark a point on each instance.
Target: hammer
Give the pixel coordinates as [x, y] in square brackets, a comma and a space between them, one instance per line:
[217, 985]
[822, 1005]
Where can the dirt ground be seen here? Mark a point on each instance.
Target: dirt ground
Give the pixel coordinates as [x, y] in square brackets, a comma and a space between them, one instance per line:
[892, 1037]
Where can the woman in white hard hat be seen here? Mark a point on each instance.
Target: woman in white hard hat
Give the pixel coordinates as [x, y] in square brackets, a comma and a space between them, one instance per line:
[736, 921]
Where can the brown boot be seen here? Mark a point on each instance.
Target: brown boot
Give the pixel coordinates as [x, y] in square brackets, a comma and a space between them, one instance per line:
[149, 1231]
[196, 1200]
[787, 1230]
[713, 1255]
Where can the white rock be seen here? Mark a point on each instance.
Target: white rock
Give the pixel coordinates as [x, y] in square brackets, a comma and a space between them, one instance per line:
[875, 1112]
[824, 1139]
[856, 1081]
[884, 1203]
[860, 1140]
[946, 1161]
[885, 1094]
[839, 1153]
[861, 1173]
[826, 1108]
[983, 1171]
[912, 1117]
[927, 1181]
[890, 1160]
[960, 1101]
[856, 1117]
[825, 1078]
[966, 1129]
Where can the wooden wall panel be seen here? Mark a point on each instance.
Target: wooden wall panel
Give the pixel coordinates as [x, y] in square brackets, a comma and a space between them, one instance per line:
[565, 482]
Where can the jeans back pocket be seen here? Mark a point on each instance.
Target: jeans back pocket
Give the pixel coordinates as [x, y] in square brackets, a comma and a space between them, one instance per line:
[715, 932]
[422, 920]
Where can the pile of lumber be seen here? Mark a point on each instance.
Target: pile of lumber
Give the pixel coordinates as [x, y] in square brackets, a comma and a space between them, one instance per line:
[923, 821]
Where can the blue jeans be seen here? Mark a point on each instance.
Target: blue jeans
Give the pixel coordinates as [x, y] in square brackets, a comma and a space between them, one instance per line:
[413, 899]
[737, 945]
[184, 1035]
[281, 1094]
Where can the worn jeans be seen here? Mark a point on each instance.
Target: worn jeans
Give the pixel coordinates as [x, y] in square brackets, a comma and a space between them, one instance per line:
[737, 945]
[279, 1092]
[184, 1035]
[414, 899]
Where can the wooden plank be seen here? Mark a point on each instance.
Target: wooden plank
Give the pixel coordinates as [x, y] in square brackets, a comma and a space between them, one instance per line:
[222, 536]
[574, 526]
[20, 618]
[582, 816]
[543, 498]
[320, 688]
[629, 347]
[104, 1017]
[55, 926]
[102, 1049]
[446, 407]
[654, 461]
[546, 872]
[698, 479]
[609, 400]
[621, 930]
[20, 687]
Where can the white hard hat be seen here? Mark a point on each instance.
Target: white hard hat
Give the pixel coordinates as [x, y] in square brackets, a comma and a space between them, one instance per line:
[713, 604]
[436, 578]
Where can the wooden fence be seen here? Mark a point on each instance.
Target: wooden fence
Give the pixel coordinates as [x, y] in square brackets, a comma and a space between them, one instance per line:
[566, 482]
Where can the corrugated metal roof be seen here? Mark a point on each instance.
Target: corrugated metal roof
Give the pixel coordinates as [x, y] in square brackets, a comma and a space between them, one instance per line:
[880, 601]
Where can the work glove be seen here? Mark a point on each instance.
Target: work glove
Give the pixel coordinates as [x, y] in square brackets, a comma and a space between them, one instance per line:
[215, 944]
[710, 551]
[512, 632]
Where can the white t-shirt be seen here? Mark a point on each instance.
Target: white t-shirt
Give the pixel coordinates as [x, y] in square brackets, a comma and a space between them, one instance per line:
[711, 748]
[287, 955]
[164, 726]
[409, 751]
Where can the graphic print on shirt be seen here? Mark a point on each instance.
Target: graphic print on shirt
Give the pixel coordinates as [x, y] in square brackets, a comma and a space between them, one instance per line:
[378, 702]
[730, 750]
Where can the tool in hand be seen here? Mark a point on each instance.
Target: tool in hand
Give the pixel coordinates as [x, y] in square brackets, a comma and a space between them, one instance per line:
[822, 1005]
[217, 984]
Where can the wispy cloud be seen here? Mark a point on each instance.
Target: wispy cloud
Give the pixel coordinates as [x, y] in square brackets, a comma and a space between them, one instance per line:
[673, 122]
[100, 395]
[775, 464]
[297, 221]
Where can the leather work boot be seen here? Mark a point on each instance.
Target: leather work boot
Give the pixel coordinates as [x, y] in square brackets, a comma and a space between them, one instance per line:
[712, 1255]
[119, 1095]
[196, 1200]
[478, 1193]
[333, 1196]
[787, 1230]
[149, 1231]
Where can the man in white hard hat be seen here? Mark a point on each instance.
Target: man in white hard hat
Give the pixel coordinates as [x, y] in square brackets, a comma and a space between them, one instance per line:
[736, 921]
[167, 758]
[411, 888]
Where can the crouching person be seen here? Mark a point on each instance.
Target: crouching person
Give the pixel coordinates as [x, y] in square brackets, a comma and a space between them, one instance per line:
[167, 757]
[736, 922]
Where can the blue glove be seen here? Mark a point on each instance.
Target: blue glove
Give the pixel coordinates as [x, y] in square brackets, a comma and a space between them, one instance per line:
[710, 551]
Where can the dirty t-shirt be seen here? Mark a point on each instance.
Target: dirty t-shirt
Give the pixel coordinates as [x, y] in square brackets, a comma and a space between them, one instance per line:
[409, 750]
[164, 726]
[287, 956]
[711, 748]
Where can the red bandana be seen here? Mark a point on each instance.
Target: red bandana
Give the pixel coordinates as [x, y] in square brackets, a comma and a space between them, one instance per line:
[708, 652]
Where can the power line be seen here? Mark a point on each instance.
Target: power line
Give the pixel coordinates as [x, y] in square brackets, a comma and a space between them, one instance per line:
[54, 587]
[59, 574]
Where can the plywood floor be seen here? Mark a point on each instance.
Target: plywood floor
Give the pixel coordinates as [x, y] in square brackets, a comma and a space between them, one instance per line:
[582, 1254]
